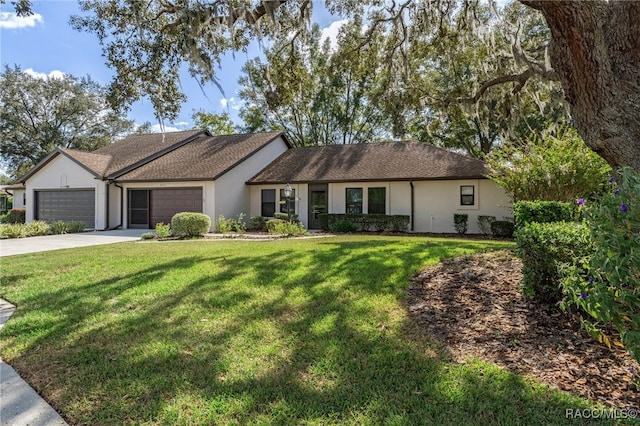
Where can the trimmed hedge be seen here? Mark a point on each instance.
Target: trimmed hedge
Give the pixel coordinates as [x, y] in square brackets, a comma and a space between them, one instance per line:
[366, 222]
[284, 227]
[543, 248]
[526, 212]
[460, 222]
[502, 229]
[484, 224]
[14, 216]
[188, 224]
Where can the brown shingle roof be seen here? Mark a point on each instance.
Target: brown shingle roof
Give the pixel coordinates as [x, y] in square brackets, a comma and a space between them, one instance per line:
[121, 156]
[203, 158]
[95, 163]
[369, 162]
[138, 149]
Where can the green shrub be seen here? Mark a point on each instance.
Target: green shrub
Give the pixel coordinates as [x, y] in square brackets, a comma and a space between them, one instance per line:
[75, 226]
[21, 230]
[284, 227]
[58, 227]
[163, 230]
[37, 228]
[148, 236]
[188, 224]
[14, 230]
[284, 216]
[544, 248]
[257, 223]
[343, 226]
[542, 212]
[606, 284]
[70, 227]
[366, 222]
[460, 222]
[484, 224]
[224, 225]
[502, 229]
[15, 216]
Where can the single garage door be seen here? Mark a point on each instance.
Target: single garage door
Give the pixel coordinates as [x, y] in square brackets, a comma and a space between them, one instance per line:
[66, 205]
[165, 203]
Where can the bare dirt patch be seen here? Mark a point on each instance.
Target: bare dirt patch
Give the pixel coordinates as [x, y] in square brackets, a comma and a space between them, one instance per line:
[472, 305]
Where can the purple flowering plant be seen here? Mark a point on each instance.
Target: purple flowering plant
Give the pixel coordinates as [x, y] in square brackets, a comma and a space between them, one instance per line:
[606, 284]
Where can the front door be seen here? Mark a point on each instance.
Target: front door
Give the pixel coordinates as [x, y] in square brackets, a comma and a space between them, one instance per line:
[318, 204]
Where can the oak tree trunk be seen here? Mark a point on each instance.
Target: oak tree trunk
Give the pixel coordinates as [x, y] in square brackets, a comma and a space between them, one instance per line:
[595, 49]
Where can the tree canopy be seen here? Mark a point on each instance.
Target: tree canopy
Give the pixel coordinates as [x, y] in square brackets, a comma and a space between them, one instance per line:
[553, 166]
[594, 50]
[316, 94]
[216, 124]
[37, 115]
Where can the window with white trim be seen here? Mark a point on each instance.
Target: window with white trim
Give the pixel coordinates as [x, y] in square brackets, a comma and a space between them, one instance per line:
[467, 195]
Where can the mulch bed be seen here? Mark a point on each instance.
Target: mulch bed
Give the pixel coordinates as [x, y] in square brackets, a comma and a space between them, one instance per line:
[472, 305]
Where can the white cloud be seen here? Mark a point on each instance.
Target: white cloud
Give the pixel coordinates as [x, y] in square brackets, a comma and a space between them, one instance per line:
[331, 33]
[182, 123]
[157, 128]
[53, 74]
[11, 21]
[231, 103]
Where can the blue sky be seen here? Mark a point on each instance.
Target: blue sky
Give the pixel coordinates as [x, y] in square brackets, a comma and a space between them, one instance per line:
[45, 44]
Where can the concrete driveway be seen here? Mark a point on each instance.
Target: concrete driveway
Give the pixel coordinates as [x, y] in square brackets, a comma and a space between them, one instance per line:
[13, 246]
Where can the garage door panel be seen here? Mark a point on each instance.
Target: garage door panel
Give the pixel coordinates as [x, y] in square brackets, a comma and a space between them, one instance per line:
[165, 203]
[66, 205]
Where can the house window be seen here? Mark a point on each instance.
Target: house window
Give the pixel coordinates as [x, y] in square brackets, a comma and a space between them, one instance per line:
[288, 205]
[377, 200]
[467, 196]
[268, 202]
[354, 200]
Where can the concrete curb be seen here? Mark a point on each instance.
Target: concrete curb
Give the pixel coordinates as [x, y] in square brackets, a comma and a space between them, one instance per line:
[20, 405]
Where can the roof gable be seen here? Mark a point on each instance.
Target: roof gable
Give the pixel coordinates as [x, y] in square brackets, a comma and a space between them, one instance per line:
[205, 158]
[92, 163]
[381, 161]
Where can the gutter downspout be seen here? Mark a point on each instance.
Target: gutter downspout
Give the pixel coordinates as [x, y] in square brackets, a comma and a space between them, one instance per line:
[412, 205]
[107, 206]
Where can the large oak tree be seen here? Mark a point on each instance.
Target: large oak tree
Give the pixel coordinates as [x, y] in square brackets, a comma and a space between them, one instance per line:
[39, 114]
[594, 50]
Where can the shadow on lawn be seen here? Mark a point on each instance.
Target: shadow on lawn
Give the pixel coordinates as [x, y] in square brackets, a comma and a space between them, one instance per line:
[298, 333]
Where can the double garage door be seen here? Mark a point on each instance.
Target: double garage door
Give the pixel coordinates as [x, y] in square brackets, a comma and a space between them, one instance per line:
[66, 205]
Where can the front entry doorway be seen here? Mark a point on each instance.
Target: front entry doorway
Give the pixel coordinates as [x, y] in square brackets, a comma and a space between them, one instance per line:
[318, 203]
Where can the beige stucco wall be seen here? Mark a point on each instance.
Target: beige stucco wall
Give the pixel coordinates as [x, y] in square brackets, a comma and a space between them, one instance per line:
[64, 173]
[232, 195]
[18, 198]
[437, 201]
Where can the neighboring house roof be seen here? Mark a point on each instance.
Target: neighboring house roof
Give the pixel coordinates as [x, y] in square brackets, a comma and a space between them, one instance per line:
[382, 161]
[202, 159]
[14, 186]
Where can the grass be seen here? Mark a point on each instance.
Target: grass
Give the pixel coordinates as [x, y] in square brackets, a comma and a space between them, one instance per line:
[234, 332]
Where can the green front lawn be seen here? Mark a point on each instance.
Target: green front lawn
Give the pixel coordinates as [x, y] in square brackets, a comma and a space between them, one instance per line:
[235, 332]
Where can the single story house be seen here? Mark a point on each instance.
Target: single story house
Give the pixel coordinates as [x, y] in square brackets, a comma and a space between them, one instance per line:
[145, 179]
